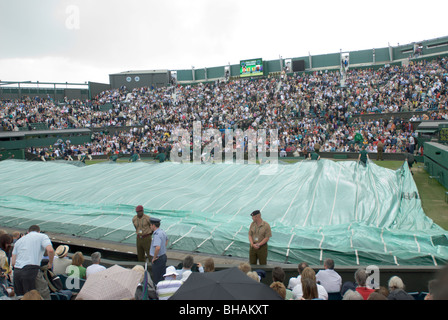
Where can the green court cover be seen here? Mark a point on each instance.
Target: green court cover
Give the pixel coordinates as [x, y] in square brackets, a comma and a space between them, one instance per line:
[317, 209]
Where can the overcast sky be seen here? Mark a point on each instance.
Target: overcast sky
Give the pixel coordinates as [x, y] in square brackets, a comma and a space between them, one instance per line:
[86, 40]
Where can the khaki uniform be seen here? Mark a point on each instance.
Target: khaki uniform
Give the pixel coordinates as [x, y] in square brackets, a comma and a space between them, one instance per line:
[144, 233]
[258, 233]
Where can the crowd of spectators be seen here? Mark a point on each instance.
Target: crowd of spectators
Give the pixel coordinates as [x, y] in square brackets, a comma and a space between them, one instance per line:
[307, 109]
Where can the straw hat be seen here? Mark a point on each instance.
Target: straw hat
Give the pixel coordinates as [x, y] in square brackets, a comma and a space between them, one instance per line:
[62, 251]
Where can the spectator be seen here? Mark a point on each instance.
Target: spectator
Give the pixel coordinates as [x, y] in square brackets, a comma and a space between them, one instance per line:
[32, 295]
[296, 280]
[61, 260]
[254, 275]
[383, 290]
[16, 235]
[76, 269]
[167, 287]
[187, 265]
[278, 275]
[440, 292]
[5, 250]
[209, 265]
[309, 273]
[26, 259]
[361, 278]
[360, 284]
[309, 290]
[352, 295]
[397, 290]
[245, 267]
[329, 278]
[432, 288]
[95, 266]
[376, 296]
[280, 288]
[142, 292]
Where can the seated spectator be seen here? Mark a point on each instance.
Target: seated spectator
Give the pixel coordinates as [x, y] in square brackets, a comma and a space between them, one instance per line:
[432, 288]
[5, 249]
[209, 265]
[142, 292]
[309, 273]
[32, 295]
[352, 295]
[245, 267]
[76, 269]
[329, 278]
[280, 288]
[397, 290]
[278, 275]
[254, 275]
[309, 290]
[296, 280]
[187, 265]
[61, 260]
[361, 278]
[169, 285]
[376, 296]
[383, 290]
[95, 266]
[440, 290]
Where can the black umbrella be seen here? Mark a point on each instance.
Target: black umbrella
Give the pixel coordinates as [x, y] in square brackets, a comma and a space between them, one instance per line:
[227, 284]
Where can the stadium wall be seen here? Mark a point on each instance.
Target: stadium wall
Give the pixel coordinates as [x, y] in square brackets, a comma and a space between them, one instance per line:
[436, 161]
[359, 58]
[56, 94]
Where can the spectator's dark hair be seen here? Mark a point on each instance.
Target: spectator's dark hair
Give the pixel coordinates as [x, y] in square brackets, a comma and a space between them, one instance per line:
[309, 289]
[209, 265]
[278, 274]
[5, 241]
[34, 227]
[301, 266]
[361, 277]
[188, 262]
[329, 263]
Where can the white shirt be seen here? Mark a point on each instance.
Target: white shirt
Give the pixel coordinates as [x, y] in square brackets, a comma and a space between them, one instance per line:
[330, 280]
[30, 249]
[293, 282]
[94, 268]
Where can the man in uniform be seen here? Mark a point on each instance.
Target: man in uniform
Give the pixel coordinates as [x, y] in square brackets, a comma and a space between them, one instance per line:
[314, 156]
[158, 250]
[363, 156]
[259, 234]
[143, 229]
[379, 149]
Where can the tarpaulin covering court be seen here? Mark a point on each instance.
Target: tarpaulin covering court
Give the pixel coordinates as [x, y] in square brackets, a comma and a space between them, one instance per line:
[316, 209]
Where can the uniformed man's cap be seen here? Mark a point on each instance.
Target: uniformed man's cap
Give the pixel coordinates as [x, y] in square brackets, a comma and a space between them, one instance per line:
[138, 208]
[255, 213]
[154, 220]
